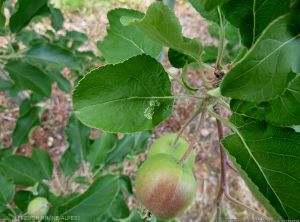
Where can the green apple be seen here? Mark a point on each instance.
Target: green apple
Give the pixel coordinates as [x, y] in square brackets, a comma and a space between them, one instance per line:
[165, 145]
[38, 207]
[164, 187]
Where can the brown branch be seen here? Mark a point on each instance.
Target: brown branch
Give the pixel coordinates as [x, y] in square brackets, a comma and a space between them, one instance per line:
[194, 140]
[223, 183]
[223, 157]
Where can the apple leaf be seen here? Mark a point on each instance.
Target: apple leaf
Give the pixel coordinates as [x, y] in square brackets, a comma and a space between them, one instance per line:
[123, 42]
[212, 4]
[27, 9]
[27, 76]
[200, 7]
[78, 137]
[100, 148]
[284, 110]
[270, 65]
[51, 55]
[127, 97]
[63, 83]
[24, 171]
[28, 119]
[43, 160]
[68, 162]
[7, 190]
[94, 202]
[2, 18]
[119, 209]
[270, 158]
[179, 60]
[253, 16]
[162, 26]
[133, 143]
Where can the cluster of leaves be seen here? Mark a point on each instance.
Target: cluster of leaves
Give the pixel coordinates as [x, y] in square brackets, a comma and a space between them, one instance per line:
[106, 190]
[30, 62]
[263, 85]
[132, 94]
[34, 61]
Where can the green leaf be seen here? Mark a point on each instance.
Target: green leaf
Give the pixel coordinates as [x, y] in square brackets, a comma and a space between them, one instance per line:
[77, 39]
[179, 60]
[4, 152]
[6, 191]
[119, 209]
[43, 160]
[95, 201]
[133, 143]
[212, 4]
[2, 18]
[22, 199]
[210, 54]
[25, 124]
[27, 76]
[68, 163]
[140, 141]
[62, 83]
[162, 26]
[270, 65]
[253, 16]
[26, 11]
[57, 18]
[124, 42]
[2, 108]
[99, 149]
[269, 157]
[43, 191]
[200, 7]
[284, 110]
[121, 150]
[125, 184]
[28, 36]
[142, 96]
[81, 180]
[22, 170]
[78, 137]
[5, 84]
[51, 55]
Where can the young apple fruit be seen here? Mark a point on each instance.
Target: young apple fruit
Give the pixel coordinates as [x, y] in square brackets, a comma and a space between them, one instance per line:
[164, 187]
[165, 144]
[38, 207]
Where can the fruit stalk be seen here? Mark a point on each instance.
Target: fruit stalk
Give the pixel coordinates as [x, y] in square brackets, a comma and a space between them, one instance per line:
[194, 140]
[198, 111]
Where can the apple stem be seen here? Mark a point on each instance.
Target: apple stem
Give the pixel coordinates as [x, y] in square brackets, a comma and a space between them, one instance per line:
[195, 138]
[230, 166]
[223, 157]
[240, 204]
[198, 111]
[224, 187]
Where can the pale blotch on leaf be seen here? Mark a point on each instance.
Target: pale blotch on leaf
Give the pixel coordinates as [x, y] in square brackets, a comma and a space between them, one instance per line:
[149, 111]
